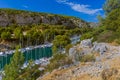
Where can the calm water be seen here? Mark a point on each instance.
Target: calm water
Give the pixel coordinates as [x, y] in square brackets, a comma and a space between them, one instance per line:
[33, 54]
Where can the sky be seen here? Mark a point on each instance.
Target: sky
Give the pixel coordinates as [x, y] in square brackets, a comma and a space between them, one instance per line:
[84, 9]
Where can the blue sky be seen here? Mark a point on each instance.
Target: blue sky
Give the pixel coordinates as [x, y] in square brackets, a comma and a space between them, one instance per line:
[84, 9]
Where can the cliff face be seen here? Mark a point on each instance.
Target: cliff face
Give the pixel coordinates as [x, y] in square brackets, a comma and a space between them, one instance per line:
[10, 17]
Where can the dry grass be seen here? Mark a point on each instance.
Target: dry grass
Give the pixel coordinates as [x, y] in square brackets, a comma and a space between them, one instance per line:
[52, 75]
[114, 43]
[114, 63]
[86, 77]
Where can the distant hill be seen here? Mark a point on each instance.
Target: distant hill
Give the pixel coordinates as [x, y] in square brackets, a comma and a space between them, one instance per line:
[94, 25]
[10, 17]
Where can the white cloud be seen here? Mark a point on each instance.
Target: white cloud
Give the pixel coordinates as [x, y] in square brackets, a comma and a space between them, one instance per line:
[60, 1]
[25, 6]
[80, 7]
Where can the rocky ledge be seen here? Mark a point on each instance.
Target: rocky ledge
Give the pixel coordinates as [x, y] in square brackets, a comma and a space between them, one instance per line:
[107, 58]
[10, 17]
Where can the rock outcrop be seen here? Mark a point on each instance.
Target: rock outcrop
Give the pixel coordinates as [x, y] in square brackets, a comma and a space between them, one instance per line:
[100, 47]
[106, 67]
[10, 17]
[86, 43]
[88, 47]
[72, 52]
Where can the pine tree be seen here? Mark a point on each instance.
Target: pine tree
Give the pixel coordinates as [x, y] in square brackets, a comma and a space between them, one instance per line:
[13, 70]
[5, 35]
[60, 42]
[111, 5]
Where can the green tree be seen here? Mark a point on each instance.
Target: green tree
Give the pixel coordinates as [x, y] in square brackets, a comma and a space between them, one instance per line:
[31, 34]
[68, 47]
[100, 19]
[112, 21]
[37, 37]
[111, 5]
[18, 33]
[32, 72]
[87, 35]
[29, 71]
[13, 70]
[5, 35]
[49, 34]
[60, 42]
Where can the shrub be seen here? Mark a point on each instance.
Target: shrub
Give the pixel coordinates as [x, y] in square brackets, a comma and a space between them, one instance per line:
[5, 35]
[68, 47]
[57, 61]
[87, 58]
[106, 36]
[117, 41]
[86, 36]
[60, 42]
[112, 21]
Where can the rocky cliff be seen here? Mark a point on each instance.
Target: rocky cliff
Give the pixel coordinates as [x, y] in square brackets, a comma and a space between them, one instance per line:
[10, 17]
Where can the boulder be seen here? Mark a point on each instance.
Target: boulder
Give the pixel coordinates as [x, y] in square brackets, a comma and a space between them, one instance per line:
[100, 47]
[72, 53]
[75, 53]
[86, 43]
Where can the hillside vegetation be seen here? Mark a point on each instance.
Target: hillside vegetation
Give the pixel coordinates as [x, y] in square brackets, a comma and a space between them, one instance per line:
[109, 29]
[18, 27]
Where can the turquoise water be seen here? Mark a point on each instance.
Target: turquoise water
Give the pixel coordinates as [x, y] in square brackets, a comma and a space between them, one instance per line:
[33, 54]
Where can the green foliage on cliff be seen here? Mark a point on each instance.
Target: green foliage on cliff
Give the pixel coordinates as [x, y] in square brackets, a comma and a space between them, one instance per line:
[60, 42]
[87, 58]
[57, 61]
[6, 35]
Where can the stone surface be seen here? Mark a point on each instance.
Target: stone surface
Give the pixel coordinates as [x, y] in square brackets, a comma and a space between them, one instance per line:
[86, 43]
[92, 69]
[72, 53]
[11, 17]
[100, 47]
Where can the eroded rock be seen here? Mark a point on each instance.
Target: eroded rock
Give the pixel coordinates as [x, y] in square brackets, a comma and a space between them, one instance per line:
[86, 43]
[100, 47]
